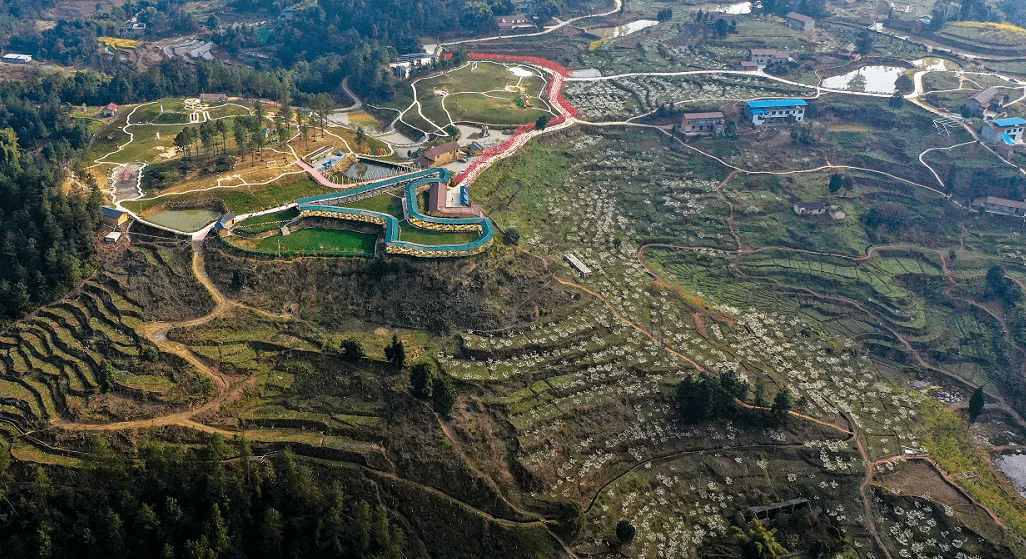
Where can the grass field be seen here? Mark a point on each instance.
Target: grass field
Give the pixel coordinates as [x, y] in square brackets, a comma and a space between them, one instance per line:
[430, 237]
[386, 203]
[240, 200]
[321, 240]
[477, 92]
[266, 222]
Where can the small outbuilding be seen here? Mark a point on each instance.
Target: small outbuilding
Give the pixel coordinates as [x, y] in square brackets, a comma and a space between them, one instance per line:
[1002, 206]
[109, 111]
[800, 22]
[14, 58]
[704, 124]
[112, 237]
[226, 222]
[114, 216]
[439, 155]
[989, 99]
[580, 267]
[213, 97]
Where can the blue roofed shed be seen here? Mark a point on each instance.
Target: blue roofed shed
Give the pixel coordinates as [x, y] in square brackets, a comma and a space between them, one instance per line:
[1006, 122]
[226, 222]
[114, 216]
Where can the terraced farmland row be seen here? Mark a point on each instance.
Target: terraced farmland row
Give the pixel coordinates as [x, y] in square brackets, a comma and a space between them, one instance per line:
[54, 362]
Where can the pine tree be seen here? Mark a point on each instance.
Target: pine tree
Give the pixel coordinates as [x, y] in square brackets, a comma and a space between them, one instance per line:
[443, 395]
[976, 403]
[395, 353]
[420, 380]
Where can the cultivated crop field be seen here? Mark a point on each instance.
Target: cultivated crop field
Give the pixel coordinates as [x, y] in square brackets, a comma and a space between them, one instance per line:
[725, 356]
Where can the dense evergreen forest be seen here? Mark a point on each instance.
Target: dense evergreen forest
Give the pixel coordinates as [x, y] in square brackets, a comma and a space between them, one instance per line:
[74, 41]
[192, 503]
[46, 235]
[322, 41]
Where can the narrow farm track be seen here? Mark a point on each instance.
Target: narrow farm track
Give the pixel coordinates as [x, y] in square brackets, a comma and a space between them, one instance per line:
[229, 389]
[629, 322]
[534, 517]
[855, 431]
[559, 25]
[999, 400]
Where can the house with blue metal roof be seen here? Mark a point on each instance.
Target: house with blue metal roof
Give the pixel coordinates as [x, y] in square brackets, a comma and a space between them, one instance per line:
[114, 216]
[1004, 131]
[225, 224]
[775, 111]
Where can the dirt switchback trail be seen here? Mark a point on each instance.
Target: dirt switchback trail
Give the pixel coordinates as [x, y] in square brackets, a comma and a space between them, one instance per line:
[228, 388]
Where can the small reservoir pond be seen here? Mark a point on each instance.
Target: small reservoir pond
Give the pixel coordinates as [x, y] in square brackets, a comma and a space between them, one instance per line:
[871, 79]
[1014, 466]
[625, 29]
[740, 8]
[366, 169]
[187, 221]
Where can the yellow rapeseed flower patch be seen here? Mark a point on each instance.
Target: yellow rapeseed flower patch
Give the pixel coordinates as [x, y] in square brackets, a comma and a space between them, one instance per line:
[119, 43]
[991, 25]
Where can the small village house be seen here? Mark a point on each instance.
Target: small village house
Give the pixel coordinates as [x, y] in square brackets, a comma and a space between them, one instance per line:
[800, 22]
[445, 201]
[288, 14]
[14, 58]
[109, 111]
[748, 66]
[133, 30]
[990, 99]
[114, 216]
[439, 155]
[819, 209]
[526, 7]
[1004, 131]
[1002, 206]
[702, 123]
[775, 111]
[922, 24]
[514, 22]
[765, 57]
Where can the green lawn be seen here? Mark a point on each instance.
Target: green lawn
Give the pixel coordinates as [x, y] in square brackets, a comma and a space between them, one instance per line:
[385, 203]
[486, 77]
[238, 200]
[168, 117]
[227, 110]
[479, 108]
[321, 240]
[266, 222]
[429, 237]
